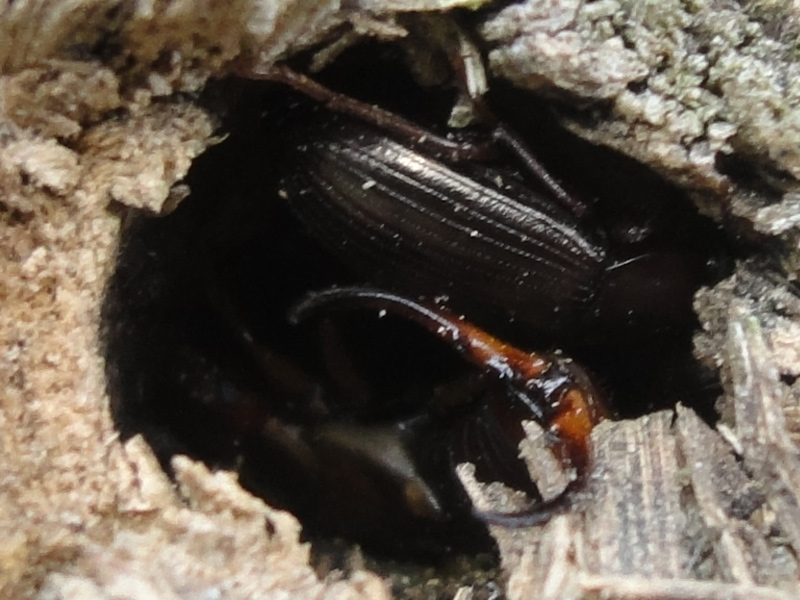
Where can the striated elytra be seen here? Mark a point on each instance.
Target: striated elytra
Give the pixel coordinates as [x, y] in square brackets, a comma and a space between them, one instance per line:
[416, 223]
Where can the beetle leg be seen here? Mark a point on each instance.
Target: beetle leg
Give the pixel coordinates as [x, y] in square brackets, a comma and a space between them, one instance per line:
[455, 150]
[471, 80]
[474, 344]
[340, 367]
[503, 134]
[557, 392]
[290, 377]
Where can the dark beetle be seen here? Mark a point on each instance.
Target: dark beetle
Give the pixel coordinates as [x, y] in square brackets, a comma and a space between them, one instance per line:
[429, 222]
[412, 222]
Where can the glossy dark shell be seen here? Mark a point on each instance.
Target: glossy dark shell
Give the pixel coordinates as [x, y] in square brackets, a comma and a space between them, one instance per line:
[416, 224]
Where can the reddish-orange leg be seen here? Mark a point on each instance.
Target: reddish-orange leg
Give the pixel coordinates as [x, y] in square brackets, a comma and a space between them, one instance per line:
[557, 391]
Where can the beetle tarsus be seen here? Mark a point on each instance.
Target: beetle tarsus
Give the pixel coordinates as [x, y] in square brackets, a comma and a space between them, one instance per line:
[536, 514]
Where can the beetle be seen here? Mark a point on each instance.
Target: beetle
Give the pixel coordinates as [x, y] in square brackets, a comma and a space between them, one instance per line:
[414, 212]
